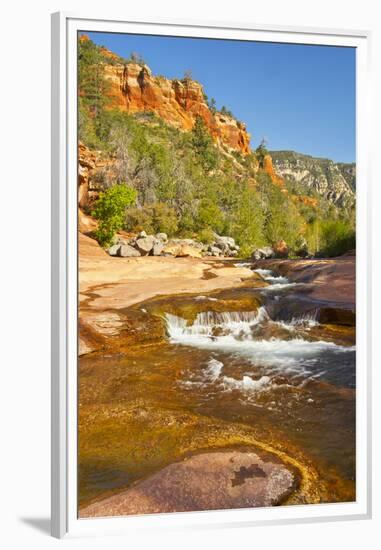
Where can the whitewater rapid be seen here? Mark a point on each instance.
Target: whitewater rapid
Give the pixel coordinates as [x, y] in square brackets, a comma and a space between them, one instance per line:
[243, 334]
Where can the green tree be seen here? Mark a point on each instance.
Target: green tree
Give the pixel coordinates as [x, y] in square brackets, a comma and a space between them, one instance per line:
[187, 76]
[135, 57]
[247, 221]
[209, 215]
[212, 104]
[261, 152]
[225, 111]
[91, 82]
[203, 145]
[110, 210]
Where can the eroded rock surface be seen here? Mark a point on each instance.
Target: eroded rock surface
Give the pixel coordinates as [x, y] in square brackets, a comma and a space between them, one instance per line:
[208, 481]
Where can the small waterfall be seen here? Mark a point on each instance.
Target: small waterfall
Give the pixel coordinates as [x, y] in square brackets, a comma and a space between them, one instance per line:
[306, 320]
[235, 332]
[208, 323]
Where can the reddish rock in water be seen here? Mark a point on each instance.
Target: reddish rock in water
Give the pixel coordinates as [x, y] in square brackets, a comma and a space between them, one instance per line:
[329, 280]
[208, 481]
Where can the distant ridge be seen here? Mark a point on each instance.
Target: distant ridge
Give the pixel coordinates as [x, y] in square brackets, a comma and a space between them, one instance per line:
[336, 181]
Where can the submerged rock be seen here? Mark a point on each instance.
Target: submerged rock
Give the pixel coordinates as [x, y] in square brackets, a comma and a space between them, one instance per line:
[337, 316]
[208, 481]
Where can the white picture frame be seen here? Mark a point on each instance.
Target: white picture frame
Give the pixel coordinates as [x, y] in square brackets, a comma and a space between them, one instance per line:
[64, 276]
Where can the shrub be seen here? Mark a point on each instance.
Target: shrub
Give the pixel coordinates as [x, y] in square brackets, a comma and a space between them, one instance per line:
[154, 218]
[206, 235]
[336, 237]
[110, 211]
[135, 57]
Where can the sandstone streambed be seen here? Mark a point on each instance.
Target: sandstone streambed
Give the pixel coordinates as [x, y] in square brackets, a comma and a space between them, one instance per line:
[255, 370]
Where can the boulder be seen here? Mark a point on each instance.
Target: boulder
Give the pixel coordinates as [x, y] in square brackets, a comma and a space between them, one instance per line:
[157, 248]
[127, 251]
[142, 234]
[263, 253]
[224, 241]
[114, 249]
[162, 237]
[215, 251]
[179, 250]
[213, 480]
[145, 245]
[223, 247]
[302, 250]
[281, 249]
[337, 316]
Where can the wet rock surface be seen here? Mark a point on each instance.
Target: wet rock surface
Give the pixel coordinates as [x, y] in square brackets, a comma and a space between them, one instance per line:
[208, 481]
[331, 280]
[180, 374]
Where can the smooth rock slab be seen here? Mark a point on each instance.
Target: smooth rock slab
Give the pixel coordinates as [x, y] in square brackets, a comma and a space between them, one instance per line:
[208, 481]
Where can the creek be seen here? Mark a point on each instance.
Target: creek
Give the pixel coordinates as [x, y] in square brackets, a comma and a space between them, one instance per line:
[255, 357]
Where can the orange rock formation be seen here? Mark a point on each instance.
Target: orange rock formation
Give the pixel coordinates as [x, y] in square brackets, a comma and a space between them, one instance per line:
[133, 89]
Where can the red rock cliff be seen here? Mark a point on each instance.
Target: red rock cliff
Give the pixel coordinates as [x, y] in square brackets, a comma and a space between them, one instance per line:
[133, 89]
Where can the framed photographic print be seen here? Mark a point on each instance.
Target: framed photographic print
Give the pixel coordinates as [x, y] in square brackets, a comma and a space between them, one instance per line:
[211, 281]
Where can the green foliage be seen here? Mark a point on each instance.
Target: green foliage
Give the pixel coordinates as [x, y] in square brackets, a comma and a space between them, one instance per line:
[110, 211]
[261, 152]
[336, 237]
[203, 145]
[91, 82]
[209, 215]
[282, 217]
[180, 183]
[136, 58]
[187, 76]
[247, 223]
[206, 235]
[154, 218]
[212, 104]
[225, 111]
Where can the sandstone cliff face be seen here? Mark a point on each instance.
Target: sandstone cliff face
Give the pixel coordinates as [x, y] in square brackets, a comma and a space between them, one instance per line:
[91, 165]
[268, 167]
[334, 181]
[133, 89]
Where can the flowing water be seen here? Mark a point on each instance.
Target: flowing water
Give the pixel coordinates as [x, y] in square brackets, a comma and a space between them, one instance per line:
[271, 367]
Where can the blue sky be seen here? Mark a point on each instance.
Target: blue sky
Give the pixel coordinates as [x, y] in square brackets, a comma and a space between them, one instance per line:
[298, 97]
